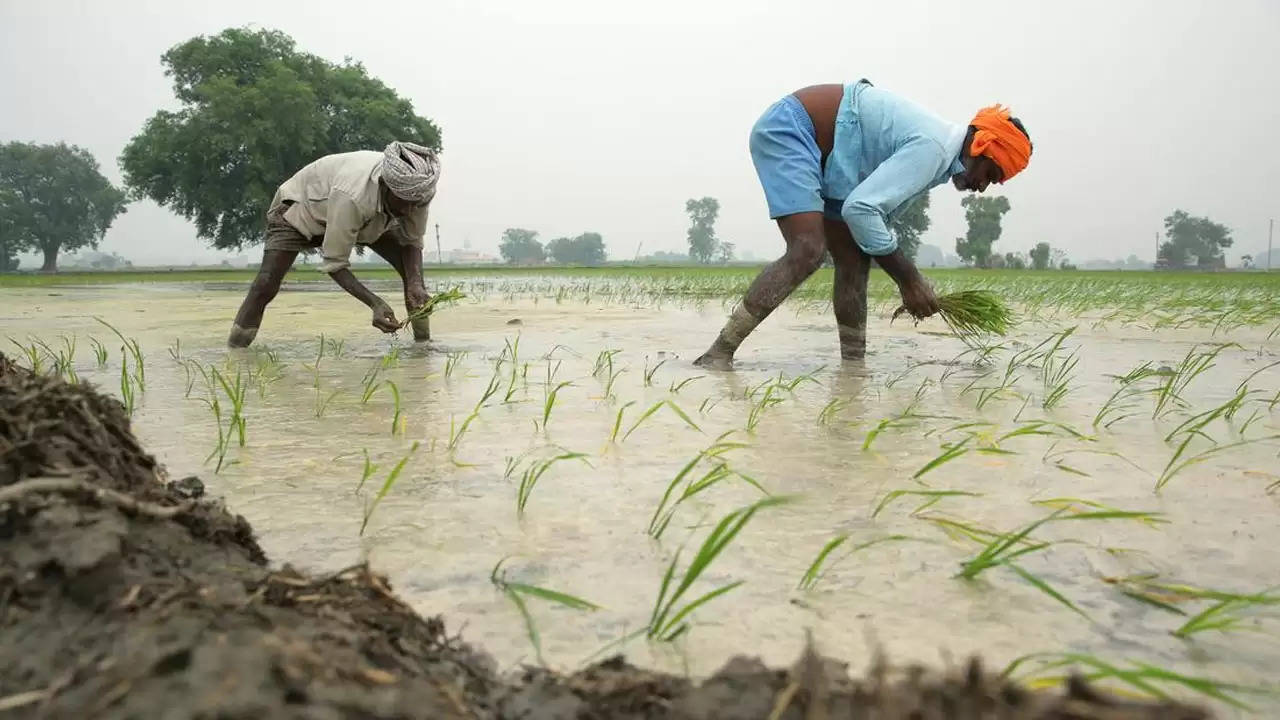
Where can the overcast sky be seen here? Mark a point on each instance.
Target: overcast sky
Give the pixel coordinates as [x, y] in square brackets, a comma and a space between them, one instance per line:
[569, 116]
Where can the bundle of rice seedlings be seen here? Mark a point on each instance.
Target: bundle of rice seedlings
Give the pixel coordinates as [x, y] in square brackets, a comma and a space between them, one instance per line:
[971, 312]
[448, 296]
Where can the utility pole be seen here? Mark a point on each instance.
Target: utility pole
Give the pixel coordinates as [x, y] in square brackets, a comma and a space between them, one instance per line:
[439, 257]
[1157, 262]
[1271, 226]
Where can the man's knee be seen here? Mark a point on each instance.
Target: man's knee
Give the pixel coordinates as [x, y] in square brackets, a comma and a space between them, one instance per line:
[264, 287]
[807, 252]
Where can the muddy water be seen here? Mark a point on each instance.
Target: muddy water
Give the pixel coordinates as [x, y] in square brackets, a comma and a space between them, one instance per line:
[452, 515]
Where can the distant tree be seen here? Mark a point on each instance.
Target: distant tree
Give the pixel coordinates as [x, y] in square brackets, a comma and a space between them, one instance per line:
[254, 110]
[1015, 261]
[53, 198]
[1058, 260]
[585, 249]
[1040, 256]
[521, 247]
[702, 228]
[983, 214]
[724, 252]
[909, 223]
[1192, 239]
[1246, 262]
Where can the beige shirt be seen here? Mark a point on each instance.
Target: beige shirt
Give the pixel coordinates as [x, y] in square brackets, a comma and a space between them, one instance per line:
[338, 196]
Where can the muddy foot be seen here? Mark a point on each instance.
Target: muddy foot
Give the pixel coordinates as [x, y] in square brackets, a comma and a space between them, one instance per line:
[712, 360]
[241, 337]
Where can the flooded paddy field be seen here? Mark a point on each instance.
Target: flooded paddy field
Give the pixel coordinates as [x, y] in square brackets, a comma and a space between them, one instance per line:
[556, 425]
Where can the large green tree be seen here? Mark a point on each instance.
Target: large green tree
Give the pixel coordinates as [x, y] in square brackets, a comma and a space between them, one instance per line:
[983, 215]
[52, 198]
[521, 247]
[702, 228]
[585, 249]
[1040, 256]
[254, 111]
[1194, 241]
[909, 223]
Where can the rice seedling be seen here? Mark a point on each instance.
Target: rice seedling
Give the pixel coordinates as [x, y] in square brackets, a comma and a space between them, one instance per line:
[235, 392]
[549, 402]
[387, 484]
[63, 360]
[669, 619]
[676, 387]
[714, 453]
[131, 344]
[609, 383]
[320, 402]
[1174, 382]
[367, 470]
[971, 313]
[950, 451]
[1004, 548]
[512, 350]
[390, 360]
[1224, 615]
[931, 498]
[604, 362]
[1083, 509]
[1120, 405]
[828, 413]
[767, 400]
[397, 419]
[440, 299]
[653, 409]
[127, 395]
[32, 354]
[369, 383]
[1177, 464]
[175, 350]
[707, 405]
[534, 472]
[816, 570]
[1139, 677]
[452, 361]
[517, 592]
[649, 371]
[1057, 378]
[99, 352]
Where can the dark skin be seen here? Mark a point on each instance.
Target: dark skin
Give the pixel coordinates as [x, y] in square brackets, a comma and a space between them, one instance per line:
[808, 235]
[406, 260]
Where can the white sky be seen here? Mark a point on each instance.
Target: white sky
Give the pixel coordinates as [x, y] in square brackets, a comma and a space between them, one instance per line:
[565, 116]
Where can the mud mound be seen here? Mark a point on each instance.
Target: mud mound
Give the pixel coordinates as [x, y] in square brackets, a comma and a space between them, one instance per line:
[123, 595]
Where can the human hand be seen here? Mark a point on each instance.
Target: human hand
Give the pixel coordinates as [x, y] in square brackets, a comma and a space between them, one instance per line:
[918, 298]
[415, 297]
[384, 318]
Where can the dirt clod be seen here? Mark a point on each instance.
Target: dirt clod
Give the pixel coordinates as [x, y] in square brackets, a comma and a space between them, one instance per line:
[123, 595]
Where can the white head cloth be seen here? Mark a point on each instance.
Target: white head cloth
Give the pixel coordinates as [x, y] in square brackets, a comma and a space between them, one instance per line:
[410, 171]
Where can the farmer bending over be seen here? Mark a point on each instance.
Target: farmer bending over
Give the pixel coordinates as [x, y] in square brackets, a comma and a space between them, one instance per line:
[836, 162]
[378, 199]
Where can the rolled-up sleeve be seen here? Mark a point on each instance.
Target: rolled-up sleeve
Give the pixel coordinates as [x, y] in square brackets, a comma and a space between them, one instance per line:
[906, 173]
[342, 225]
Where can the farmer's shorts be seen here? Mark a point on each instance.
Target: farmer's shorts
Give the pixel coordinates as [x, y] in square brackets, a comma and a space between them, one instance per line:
[283, 236]
[784, 149]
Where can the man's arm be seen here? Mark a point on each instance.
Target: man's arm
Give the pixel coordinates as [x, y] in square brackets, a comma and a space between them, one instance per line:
[341, 228]
[901, 177]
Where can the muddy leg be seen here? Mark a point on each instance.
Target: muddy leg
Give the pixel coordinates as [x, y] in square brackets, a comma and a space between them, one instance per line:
[275, 263]
[849, 292]
[390, 249]
[806, 246]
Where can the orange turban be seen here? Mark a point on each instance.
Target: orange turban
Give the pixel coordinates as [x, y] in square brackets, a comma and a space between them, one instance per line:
[1000, 140]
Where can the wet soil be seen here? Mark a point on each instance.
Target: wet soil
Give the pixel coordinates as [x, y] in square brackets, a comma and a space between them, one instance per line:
[126, 595]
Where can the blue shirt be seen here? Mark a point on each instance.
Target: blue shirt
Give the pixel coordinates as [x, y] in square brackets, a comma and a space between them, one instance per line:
[887, 150]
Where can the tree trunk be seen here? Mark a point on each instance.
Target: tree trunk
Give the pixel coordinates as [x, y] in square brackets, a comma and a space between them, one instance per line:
[50, 259]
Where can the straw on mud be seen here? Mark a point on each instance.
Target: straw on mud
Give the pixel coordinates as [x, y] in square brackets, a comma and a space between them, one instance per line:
[971, 312]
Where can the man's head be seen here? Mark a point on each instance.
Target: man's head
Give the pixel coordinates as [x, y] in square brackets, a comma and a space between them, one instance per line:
[996, 148]
[409, 174]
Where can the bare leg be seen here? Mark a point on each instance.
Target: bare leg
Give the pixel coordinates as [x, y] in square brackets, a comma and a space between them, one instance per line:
[806, 246]
[390, 249]
[275, 264]
[849, 292]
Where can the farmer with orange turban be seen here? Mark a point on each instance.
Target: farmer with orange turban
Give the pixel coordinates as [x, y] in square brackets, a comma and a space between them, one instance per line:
[838, 163]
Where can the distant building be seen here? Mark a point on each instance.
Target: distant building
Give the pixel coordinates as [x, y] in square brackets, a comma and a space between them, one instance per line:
[467, 256]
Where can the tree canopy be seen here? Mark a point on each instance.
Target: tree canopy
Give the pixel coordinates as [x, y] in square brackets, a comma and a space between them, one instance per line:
[585, 249]
[521, 247]
[52, 198]
[1040, 256]
[1193, 241]
[909, 223]
[983, 214]
[254, 111]
[702, 228]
